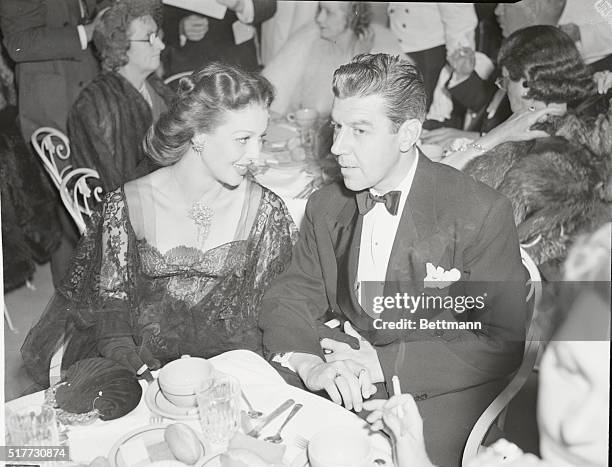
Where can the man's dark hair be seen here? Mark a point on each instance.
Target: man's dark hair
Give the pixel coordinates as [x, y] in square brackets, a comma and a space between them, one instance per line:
[397, 81]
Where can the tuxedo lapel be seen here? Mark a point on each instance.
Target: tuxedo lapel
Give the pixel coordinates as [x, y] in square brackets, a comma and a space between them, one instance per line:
[347, 243]
[415, 241]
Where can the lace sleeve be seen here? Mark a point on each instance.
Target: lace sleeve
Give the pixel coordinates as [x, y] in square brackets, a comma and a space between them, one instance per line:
[114, 267]
[114, 328]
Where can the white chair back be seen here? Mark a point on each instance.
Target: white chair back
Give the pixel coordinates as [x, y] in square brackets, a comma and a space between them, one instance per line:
[53, 148]
[530, 355]
[50, 145]
[76, 194]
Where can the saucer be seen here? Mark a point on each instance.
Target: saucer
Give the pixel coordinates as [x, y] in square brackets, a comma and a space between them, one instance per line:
[157, 402]
[148, 435]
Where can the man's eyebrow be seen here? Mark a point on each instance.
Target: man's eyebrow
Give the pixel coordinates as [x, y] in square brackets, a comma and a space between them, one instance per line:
[361, 123]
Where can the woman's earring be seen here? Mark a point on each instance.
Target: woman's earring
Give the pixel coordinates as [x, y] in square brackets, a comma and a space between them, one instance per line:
[197, 147]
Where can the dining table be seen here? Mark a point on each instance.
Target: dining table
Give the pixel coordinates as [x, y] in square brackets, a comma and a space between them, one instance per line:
[264, 388]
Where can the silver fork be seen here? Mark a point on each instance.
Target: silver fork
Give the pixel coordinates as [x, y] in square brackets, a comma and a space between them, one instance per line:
[301, 442]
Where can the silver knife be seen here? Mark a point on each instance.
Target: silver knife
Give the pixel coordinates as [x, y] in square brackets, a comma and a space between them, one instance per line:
[256, 431]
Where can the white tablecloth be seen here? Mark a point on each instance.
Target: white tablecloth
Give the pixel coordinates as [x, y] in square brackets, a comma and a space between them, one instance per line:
[262, 385]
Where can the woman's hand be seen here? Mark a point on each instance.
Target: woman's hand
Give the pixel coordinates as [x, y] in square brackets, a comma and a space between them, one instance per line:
[444, 137]
[406, 432]
[603, 80]
[518, 126]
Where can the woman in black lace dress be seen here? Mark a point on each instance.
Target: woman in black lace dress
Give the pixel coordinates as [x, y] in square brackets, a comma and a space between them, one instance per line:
[176, 262]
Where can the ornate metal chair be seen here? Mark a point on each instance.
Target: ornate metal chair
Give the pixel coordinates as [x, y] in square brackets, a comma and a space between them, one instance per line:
[530, 355]
[53, 148]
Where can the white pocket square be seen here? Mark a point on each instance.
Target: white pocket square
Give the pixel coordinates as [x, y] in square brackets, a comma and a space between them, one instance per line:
[439, 278]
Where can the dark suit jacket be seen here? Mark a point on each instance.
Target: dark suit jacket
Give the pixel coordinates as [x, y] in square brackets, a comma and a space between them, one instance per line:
[475, 94]
[42, 38]
[451, 221]
[218, 43]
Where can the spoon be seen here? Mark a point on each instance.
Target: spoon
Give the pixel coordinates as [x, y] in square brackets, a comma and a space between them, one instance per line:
[276, 438]
[252, 412]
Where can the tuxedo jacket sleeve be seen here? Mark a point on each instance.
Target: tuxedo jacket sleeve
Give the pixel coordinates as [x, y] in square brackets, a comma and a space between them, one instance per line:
[29, 38]
[295, 304]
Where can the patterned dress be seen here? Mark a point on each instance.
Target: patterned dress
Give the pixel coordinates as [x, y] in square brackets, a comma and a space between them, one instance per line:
[122, 292]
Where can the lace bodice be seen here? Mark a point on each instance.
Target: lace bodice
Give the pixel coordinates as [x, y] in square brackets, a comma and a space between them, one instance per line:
[181, 301]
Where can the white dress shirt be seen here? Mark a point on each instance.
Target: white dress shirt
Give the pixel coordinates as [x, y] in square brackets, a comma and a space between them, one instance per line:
[378, 234]
[424, 25]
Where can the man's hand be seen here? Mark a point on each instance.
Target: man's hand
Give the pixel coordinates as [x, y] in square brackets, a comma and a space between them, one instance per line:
[234, 5]
[462, 61]
[89, 28]
[346, 382]
[400, 418]
[194, 27]
[366, 356]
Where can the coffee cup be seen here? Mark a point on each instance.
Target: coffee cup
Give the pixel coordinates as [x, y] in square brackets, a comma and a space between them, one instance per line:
[181, 379]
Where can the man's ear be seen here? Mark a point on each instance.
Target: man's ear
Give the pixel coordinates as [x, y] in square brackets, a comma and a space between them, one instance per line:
[409, 133]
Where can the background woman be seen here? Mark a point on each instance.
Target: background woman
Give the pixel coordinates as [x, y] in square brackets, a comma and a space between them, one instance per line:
[112, 114]
[177, 261]
[556, 170]
[543, 74]
[302, 70]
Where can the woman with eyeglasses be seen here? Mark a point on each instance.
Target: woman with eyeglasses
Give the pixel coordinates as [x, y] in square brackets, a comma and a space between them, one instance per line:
[108, 121]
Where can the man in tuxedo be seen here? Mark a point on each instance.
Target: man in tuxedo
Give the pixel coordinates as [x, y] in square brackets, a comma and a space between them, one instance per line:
[401, 229]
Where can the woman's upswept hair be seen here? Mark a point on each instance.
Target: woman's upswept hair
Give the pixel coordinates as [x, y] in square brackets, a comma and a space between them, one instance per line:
[111, 34]
[202, 100]
[549, 62]
[397, 81]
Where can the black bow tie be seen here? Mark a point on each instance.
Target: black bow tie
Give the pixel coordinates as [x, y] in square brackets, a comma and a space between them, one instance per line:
[366, 201]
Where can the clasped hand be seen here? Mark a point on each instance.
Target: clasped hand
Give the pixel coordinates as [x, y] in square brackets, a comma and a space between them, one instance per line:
[347, 375]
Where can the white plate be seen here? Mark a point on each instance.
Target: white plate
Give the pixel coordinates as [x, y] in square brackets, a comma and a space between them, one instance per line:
[150, 434]
[157, 402]
[302, 459]
[214, 461]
